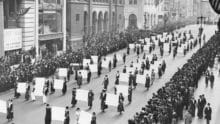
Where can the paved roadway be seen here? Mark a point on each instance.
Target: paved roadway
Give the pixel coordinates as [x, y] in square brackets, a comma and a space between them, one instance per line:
[34, 112]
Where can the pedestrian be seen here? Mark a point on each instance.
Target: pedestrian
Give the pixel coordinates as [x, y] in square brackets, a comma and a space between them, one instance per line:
[10, 110]
[79, 80]
[27, 93]
[212, 79]
[73, 101]
[128, 50]
[48, 114]
[106, 82]
[207, 76]
[102, 97]
[45, 94]
[89, 75]
[33, 93]
[124, 58]
[64, 87]
[152, 76]
[78, 111]
[67, 116]
[117, 78]
[208, 113]
[93, 120]
[121, 104]
[147, 82]
[114, 61]
[90, 98]
[188, 118]
[110, 66]
[130, 94]
[124, 69]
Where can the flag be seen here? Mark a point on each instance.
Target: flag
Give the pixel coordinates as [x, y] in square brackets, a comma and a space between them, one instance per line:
[23, 11]
[215, 5]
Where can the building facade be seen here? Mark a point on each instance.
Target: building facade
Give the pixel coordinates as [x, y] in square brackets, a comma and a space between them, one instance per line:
[142, 14]
[90, 17]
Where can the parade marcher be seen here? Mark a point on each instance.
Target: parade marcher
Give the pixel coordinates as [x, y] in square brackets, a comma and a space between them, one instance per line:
[124, 69]
[124, 58]
[142, 66]
[27, 93]
[121, 104]
[106, 82]
[73, 101]
[128, 50]
[188, 118]
[52, 89]
[110, 66]
[33, 93]
[115, 61]
[99, 68]
[147, 63]
[134, 77]
[117, 78]
[130, 94]
[64, 89]
[90, 98]
[138, 50]
[48, 114]
[103, 96]
[208, 113]
[144, 56]
[45, 94]
[153, 76]
[212, 79]
[79, 80]
[16, 94]
[89, 75]
[78, 111]
[147, 82]
[93, 120]
[67, 116]
[160, 72]
[163, 66]
[10, 110]
[130, 79]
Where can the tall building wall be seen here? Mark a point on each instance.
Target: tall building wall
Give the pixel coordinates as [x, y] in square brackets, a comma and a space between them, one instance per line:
[27, 23]
[1, 29]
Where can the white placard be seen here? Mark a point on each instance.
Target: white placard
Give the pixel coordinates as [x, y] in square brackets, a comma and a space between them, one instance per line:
[122, 89]
[85, 118]
[130, 69]
[147, 47]
[140, 79]
[164, 34]
[95, 59]
[153, 38]
[131, 46]
[3, 107]
[58, 113]
[84, 73]
[12, 39]
[124, 77]
[85, 62]
[93, 68]
[62, 72]
[39, 85]
[147, 40]
[105, 64]
[166, 47]
[112, 99]
[21, 88]
[58, 84]
[82, 95]
[119, 57]
[180, 49]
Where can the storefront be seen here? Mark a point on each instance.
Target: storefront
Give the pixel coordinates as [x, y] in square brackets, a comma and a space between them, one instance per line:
[51, 26]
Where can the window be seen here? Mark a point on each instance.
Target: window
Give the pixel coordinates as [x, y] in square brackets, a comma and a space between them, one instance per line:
[135, 1]
[77, 17]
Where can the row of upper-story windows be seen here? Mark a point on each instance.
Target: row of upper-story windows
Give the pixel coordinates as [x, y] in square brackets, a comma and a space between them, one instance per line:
[132, 1]
[105, 1]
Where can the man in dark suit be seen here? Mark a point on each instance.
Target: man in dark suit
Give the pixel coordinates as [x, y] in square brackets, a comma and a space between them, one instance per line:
[208, 114]
[48, 114]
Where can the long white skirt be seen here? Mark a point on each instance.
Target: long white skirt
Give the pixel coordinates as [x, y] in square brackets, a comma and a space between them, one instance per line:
[33, 96]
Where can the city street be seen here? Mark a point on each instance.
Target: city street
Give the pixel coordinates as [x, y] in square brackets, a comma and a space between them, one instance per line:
[27, 112]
